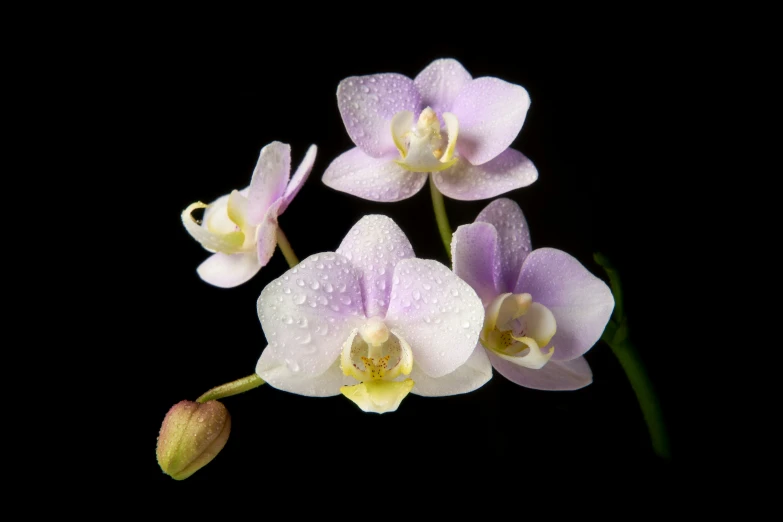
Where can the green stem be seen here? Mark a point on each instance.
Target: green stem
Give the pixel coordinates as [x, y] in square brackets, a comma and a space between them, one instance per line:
[232, 388]
[616, 336]
[642, 387]
[285, 248]
[440, 216]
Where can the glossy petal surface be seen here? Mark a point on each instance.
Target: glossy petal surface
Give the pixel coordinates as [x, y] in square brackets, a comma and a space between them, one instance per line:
[374, 245]
[436, 312]
[580, 302]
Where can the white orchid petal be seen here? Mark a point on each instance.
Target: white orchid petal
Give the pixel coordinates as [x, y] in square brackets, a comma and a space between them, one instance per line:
[474, 374]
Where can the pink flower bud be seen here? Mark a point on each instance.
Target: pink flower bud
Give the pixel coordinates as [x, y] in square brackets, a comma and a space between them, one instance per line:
[191, 436]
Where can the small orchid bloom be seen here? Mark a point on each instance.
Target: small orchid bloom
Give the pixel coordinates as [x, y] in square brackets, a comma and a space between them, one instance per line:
[544, 310]
[372, 322]
[241, 227]
[443, 122]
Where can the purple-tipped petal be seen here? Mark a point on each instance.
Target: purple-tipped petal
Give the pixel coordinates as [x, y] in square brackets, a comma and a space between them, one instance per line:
[490, 113]
[277, 374]
[266, 235]
[375, 245]
[476, 259]
[299, 177]
[228, 271]
[436, 312]
[470, 376]
[440, 83]
[367, 104]
[270, 178]
[513, 237]
[309, 312]
[554, 376]
[580, 302]
[508, 171]
[370, 178]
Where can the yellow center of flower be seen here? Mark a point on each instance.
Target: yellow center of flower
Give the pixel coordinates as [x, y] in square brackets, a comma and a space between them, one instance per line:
[516, 328]
[425, 147]
[375, 357]
[227, 230]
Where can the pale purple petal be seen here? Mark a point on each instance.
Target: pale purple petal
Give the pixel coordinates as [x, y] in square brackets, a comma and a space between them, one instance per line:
[580, 302]
[490, 113]
[440, 82]
[367, 104]
[470, 376]
[277, 374]
[476, 258]
[229, 270]
[370, 178]
[513, 237]
[266, 235]
[436, 312]
[375, 245]
[508, 171]
[270, 178]
[555, 375]
[299, 177]
[308, 312]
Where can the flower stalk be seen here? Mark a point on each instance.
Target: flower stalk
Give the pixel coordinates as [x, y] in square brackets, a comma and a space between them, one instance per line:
[231, 388]
[440, 216]
[616, 336]
[285, 248]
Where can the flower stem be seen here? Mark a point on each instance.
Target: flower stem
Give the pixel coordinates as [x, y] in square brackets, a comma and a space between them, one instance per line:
[642, 386]
[232, 388]
[440, 216]
[285, 248]
[616, 336]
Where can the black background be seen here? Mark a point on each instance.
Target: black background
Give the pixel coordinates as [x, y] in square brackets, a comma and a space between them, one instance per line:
[597, 130]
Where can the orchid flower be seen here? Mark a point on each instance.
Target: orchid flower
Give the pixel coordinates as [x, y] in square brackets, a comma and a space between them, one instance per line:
[241, 227]
[544, 310]
[443, 122]
[372, 322]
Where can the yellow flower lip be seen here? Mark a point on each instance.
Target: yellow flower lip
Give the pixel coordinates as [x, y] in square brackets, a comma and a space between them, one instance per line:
[375, 357]
[229, 243]
[378, 396]
[423, 147]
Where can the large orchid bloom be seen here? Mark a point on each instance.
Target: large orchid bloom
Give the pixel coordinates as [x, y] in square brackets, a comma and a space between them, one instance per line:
[372, 322]
[442, 122]
[241, 227]
[544, 310]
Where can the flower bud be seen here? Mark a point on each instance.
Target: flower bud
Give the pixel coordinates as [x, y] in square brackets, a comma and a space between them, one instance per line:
[191, 436]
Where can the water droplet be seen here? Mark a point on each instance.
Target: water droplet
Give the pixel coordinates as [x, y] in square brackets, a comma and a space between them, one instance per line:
[345, 299]
[466, 324]
[299, 299]
[300, 282]
[416, 295]
[454, 292]
[292, 365]
[315, 285]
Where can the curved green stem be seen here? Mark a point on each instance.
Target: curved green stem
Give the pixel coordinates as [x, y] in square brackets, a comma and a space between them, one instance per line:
[285, 248]
[616, 336]
[232, 388]
[440, 216]
[642, 387]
